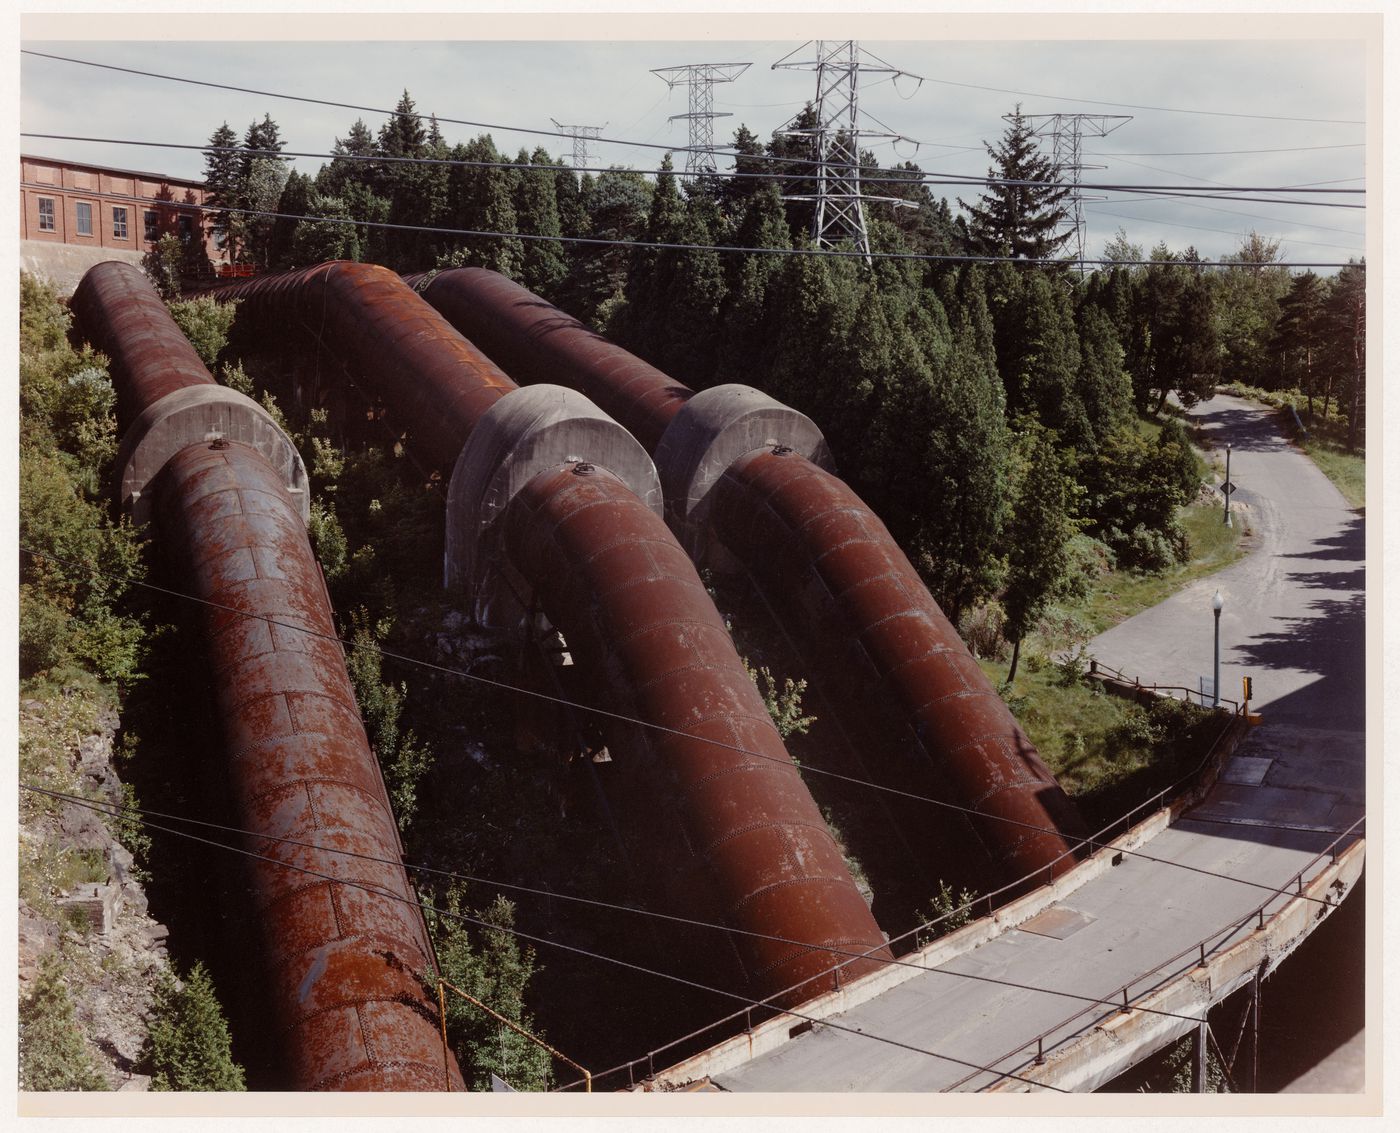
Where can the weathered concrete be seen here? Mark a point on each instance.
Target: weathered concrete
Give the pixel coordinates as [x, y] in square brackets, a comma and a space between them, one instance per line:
[526, 432]
[710, 432]
[198, 415]
[64, 265]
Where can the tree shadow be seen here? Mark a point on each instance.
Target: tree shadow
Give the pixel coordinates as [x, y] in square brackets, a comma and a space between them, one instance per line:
[1243, 429]
[1329, 642]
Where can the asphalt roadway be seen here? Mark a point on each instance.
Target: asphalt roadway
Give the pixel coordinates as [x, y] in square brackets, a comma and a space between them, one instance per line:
[1293, 618]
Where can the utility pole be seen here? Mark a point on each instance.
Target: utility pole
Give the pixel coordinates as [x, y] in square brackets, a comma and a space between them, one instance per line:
[840, 213]
[700, 78]
[580, 134]
[1066, 133]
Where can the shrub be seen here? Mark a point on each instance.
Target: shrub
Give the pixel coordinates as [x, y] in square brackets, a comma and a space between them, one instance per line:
[205, 322]
[163, 265]
[52, 1053]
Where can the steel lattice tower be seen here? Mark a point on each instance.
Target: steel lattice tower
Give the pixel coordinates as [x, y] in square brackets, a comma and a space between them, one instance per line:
[1066, 133]
[700, 78]
[840, 213]
[580, 134]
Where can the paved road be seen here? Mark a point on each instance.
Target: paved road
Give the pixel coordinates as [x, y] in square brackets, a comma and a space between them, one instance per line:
[1294, 619]
[1294, 607]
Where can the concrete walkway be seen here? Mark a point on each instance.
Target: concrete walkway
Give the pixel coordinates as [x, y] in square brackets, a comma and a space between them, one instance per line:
[1294, 619]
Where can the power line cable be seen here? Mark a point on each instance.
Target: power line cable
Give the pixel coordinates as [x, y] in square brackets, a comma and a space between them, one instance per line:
[587, 953]
[1226, 152]
[346, 643]
[905, 177]
[1162, 109]
[1222, 231]
[142, 814]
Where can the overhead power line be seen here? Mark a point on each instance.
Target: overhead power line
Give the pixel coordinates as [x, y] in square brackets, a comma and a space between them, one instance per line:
[1161, 109]
[454, 121]
[588, 953]
[144, 816]
[893, 176]
[1228, 152]
[1091, 843]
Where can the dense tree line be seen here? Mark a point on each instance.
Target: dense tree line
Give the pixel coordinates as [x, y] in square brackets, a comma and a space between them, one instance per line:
[927, 376]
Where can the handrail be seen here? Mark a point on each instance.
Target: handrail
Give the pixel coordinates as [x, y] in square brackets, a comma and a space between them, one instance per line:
[1200, 946]
[1094, 841]
[1096, 667]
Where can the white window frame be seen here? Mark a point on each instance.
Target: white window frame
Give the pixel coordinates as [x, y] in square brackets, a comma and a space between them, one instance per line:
[120, 230]
[51, 216]
[78, 207]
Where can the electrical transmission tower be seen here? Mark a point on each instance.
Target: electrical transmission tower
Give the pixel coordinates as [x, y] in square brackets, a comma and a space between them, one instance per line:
[836, 137]
[1066, 133]
[700, 78]
[580, 134]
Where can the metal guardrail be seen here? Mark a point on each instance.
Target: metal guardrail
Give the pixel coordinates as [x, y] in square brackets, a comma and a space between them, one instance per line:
[1099, 840]
[1202, 947]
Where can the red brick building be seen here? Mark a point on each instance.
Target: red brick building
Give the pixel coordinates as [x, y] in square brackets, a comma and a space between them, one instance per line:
[96, 213]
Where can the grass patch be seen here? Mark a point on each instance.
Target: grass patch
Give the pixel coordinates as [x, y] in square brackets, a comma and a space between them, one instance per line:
[1347, 470]
[1108, 753]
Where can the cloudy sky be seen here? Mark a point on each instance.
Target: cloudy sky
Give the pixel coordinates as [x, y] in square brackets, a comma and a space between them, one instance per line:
[1235, 106]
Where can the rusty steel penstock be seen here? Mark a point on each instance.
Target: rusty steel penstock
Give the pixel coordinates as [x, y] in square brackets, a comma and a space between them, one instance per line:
[535, 342]
[431, 380]
[342, 936]
[730, 829]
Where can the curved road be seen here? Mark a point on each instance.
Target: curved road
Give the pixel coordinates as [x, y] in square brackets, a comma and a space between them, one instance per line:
[1294, 607]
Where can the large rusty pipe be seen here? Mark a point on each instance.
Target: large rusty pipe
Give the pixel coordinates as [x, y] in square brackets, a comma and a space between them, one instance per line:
[122, 315]
[534, 342]
[734, 829]
[762, 857]
[810, 539]
[345, 944]
[530, 338]
[345, 954]
[435, 383]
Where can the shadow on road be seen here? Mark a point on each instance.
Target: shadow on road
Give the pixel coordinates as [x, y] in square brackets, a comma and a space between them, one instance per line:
[1241, 428]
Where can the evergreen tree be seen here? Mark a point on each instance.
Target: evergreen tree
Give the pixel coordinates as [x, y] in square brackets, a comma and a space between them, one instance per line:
[750, 278]
[489, 964]
[1038, 351]
[223, 187]
[348, 167]
[1019, 219]
[189, 1046]
[537, 214]
[1037, 535]
[1300, 332]
[1246, 307]
[481, 198]
[1346, 342]
[616, 205]
[1103, 386]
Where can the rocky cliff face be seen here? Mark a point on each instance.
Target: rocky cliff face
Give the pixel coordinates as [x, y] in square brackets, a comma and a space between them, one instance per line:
[80, 893]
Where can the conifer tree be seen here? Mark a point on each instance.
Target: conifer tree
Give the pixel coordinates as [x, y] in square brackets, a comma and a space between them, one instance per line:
[189, 1046]
[537, 214]
[1301, 327]
[223, 185]
[52, 1053]
[1023, 205]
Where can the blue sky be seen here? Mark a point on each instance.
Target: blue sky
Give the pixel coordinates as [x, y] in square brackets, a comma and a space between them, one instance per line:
[1255, 90]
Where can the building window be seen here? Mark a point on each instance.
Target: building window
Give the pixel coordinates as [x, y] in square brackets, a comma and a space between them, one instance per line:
[152, 232]
[118, 223]
[186, 229]
[46, 216]
[84, 218]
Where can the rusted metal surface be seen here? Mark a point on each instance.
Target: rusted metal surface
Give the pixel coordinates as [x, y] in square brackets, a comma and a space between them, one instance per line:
[344, 955]
[728, 827]
[804, 533]
[121, 314]
[536, 342]
[433, 382]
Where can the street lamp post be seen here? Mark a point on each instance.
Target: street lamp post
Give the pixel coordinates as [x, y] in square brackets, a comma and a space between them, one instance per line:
[1217, 604]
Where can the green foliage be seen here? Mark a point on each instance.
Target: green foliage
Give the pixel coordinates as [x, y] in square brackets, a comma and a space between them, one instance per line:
[1041, 526]
[328, 541]
[489, 963]
[236, 378]
[1020, 220]
[945, 913]
[784, 703]
[401, 755]
[188, 1047]
[206, 323]
[163, 265]
[52, 1053]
